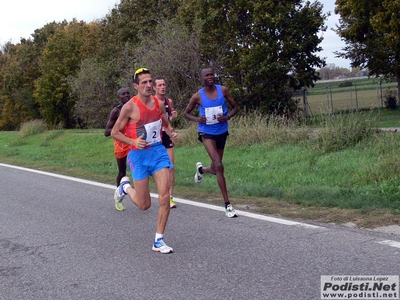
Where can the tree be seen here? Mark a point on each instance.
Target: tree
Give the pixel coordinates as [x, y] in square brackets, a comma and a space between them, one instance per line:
[331, 71]
[269, 46]
[262, 50]
[371, 31]
[95, 89]
[133, 18]
[173, 51]
[61, 58]
[18, 72]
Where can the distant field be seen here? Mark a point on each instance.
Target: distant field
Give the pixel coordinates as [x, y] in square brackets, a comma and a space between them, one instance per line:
[328, 97]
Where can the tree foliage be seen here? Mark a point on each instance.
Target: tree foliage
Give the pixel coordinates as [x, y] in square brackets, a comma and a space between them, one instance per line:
[331, 71]
[269, 46]
[68, 73]
[133, 18]
[17, 78]
[173, 51]
[95, 89]
[18, 73]
[61, 58]
[371, 29]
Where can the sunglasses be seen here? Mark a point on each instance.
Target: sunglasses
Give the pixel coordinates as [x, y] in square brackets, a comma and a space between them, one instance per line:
[139, 71]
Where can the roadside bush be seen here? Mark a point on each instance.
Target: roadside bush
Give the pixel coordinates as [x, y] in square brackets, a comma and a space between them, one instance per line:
[391, 100]
[339, 132]
[253, 127]
[345, 83]
[32, 127]
[333, 133]
[249, 128]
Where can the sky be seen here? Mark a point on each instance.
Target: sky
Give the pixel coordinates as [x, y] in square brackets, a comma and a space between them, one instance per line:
[20, 18]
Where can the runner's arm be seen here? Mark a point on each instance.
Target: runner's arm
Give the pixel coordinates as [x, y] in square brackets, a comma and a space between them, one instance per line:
[166, 124]
[174, 113]
[111, 121]
[195, 100]
[232, 102]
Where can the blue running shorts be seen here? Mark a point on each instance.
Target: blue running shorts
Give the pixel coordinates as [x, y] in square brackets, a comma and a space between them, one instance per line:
[144, 163]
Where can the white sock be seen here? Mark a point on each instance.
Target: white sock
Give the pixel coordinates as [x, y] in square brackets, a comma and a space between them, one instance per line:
[125, 187]
[158, 236]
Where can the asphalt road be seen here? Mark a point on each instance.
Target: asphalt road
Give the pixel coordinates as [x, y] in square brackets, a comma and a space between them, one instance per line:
[61, 238]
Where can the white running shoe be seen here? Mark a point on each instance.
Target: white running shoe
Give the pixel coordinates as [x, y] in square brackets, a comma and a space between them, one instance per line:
[119, 194]
[198, 177]
[160, 246]
[230, 212]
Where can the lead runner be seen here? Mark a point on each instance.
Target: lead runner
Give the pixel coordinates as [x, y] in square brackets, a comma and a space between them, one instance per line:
[142, 119]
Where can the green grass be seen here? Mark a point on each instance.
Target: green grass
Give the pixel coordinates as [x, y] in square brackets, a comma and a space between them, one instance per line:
[340, 162]
[360, 84]
[78, 153]
[389, 118]
[328, 97]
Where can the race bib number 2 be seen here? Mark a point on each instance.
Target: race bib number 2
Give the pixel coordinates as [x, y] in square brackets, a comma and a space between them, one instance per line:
[212, 114]
[153, 132]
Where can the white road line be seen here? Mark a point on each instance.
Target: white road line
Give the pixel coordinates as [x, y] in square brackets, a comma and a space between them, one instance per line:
[189, 202]
[390, 243]
[244, 213]
[178, 200]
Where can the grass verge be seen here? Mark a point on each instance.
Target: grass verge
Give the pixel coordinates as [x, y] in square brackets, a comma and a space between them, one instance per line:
[340, 171]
